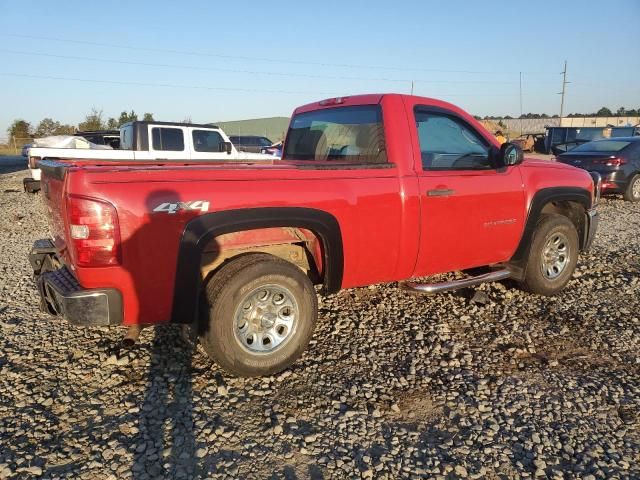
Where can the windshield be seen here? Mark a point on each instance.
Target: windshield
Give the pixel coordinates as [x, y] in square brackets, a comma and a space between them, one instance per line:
[602, 146]
[349, 134]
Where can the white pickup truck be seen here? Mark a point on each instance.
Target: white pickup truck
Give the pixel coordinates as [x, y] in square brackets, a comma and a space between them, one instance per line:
[151, 141]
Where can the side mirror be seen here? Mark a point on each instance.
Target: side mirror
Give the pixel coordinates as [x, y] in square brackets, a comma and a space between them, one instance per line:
[510, 155]
[226, 147]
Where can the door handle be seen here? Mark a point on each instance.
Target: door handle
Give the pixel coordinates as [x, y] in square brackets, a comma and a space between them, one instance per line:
[442, 192]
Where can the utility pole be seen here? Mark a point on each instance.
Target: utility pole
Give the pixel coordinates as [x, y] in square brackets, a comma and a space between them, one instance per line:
[411, 87]
[564, 85]
[521, 103]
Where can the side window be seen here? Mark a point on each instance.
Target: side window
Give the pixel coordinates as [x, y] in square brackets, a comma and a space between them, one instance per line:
[207, 141]
[448, 143]
[126, 138]
[170, 139]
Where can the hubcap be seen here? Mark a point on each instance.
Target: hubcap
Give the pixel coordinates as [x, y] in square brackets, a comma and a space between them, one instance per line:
[265, 319]
[555, 256]
[635, 188]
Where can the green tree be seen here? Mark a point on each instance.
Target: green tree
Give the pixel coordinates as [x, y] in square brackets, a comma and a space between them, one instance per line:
[604, 112]
[48, 126]
[112, 124]
[19, 131]
[621, 112]
[148, 117]
[127, 117]
[93, 121]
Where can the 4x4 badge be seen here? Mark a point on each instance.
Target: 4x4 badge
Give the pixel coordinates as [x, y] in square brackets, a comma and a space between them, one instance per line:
[171, 208]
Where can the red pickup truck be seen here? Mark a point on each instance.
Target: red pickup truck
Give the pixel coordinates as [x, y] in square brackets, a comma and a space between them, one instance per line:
[370, 189]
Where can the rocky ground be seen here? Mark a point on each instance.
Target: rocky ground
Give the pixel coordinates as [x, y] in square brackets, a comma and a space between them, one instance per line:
[392, 386]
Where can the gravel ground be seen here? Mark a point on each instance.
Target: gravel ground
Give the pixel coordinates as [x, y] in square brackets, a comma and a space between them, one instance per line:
[392, 386]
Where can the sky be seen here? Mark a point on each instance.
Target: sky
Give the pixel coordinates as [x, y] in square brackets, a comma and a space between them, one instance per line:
[217, 61]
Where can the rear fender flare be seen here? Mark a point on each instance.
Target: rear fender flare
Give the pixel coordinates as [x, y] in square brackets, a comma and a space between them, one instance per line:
[202, 229]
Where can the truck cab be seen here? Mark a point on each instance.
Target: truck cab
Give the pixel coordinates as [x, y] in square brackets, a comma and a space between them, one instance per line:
[176, 141]
[144, 141]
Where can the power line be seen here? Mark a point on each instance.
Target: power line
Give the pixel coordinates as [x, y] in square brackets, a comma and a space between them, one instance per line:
[204, 87]
[164, 85]
[262, 59]
[249, 72]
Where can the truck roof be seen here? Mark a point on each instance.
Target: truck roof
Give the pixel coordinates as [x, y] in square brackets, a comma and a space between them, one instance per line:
[172, 124]
[373, 99]
[97, 132]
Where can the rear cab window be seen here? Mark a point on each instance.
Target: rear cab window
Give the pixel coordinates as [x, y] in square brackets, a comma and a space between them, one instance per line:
[207, 141]
[603, 146]
[167, 139]
[349, 135]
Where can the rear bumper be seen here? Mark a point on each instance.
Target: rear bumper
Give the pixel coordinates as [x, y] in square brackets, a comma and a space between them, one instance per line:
[61, 294]
[613, 181]
[593, 218]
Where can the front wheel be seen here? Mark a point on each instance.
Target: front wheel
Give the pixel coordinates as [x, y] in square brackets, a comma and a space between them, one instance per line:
[632, 192]
[262, 312]
[552, 257]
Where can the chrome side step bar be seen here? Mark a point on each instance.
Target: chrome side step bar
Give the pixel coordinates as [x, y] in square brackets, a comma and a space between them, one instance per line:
[433, 288]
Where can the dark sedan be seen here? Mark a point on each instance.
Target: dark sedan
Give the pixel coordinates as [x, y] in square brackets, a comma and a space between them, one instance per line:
[250, 143]
[617, 160]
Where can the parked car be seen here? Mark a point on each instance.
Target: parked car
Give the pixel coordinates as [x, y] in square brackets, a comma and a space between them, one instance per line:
[275, 149]
[370, 189]
[143, 141]
[617, 160]
[250, 143]
[530, 142]
[563, 139]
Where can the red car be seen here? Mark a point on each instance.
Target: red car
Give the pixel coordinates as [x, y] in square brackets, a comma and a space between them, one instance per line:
[370, 189]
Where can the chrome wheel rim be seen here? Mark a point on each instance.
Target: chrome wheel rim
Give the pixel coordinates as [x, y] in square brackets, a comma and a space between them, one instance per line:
[555, 256]
[265, 319]
[635, 188]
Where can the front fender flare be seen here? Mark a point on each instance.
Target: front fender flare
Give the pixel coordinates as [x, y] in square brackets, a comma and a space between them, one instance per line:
[540, 199]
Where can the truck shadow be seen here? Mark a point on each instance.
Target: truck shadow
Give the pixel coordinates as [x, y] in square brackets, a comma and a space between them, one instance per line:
[165, 442]
[165, 445]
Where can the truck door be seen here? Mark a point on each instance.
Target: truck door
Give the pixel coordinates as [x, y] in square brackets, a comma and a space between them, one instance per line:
[168, 142]
[472, 213]
[208, 144]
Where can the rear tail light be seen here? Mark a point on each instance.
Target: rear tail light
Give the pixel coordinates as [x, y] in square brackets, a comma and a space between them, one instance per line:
[94, 232]
[610, 162]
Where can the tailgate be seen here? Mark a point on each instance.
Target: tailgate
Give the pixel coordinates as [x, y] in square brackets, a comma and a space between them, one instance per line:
[52, 184]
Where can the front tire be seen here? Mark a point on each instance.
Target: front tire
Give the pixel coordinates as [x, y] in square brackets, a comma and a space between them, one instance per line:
[262, 312]
[632, 192]
[552, 257]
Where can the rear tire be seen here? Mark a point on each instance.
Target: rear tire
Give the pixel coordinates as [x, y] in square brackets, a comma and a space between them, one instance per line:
[262, 312]
[552, 257]
[632, 192]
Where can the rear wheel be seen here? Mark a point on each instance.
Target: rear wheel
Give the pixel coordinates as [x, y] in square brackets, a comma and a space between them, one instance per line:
[632, 192]
[553, 255]
[262, 312]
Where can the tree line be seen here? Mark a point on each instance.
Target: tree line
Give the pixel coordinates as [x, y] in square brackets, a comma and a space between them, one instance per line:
[603, 112]
[21, 130]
